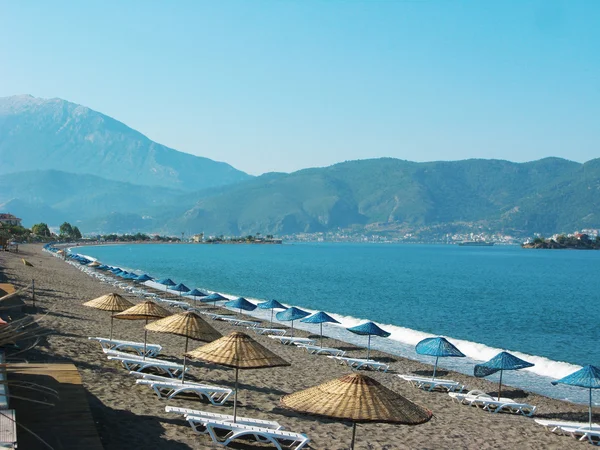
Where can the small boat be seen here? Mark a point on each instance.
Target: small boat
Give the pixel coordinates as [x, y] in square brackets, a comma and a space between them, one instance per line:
[476, 244]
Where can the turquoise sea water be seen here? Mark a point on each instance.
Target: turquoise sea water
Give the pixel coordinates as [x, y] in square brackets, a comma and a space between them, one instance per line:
[541, 303]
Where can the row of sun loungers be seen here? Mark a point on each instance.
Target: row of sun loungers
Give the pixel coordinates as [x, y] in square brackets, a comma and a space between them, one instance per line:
[137, 363]
[359, 363]
[492, 404]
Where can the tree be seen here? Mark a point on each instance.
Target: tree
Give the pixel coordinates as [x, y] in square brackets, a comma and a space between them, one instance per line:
[41, 229]
[66, 230]
[76, 234]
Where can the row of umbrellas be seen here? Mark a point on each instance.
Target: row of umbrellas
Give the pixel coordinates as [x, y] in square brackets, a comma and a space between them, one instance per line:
[588, 377]
[353, 397]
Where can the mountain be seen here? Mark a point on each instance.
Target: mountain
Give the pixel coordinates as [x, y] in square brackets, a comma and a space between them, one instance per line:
[54, 197]
[40, 134]
[549, 195]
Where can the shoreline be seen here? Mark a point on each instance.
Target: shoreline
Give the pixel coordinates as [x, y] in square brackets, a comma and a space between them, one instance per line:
[403, 340]
[138, 420]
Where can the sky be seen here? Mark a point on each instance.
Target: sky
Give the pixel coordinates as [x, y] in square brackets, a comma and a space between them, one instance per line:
[284, 85]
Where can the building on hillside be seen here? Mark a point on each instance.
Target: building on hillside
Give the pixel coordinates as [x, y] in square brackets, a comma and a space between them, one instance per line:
[9, 219]
[197, 238]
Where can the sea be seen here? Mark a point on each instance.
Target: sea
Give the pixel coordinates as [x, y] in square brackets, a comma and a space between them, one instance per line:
[541, 305]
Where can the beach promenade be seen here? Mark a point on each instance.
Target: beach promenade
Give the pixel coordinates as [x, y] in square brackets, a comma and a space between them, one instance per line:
[130, 416]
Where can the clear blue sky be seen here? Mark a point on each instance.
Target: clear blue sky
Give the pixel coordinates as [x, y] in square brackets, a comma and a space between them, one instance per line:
[284, 85]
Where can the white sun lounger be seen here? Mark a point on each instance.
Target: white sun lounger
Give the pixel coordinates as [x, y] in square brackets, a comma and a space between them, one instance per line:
[138, 364]
[316, 350]
[272, 331]
[168, 388]
[493, 404]
[117, 345]
[358, 363]
[200, 415]
[555, 426]
[287, 340]
[430, 384]
[582, 433]
[279, 438]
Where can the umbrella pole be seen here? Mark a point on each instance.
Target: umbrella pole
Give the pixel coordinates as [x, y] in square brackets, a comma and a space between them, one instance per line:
[435, 367]
[353, 435]
[369, 347]
[235, 395]
[111, 326]
[292, 328]
[500, 385]
[271, 323]
[184, 361]
[590, 408]
[321, 334]
[145, 337]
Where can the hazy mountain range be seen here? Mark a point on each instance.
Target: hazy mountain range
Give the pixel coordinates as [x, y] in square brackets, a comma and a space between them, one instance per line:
[61, 161]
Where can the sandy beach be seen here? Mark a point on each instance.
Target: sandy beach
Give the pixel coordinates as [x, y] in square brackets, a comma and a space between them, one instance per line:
[130, 416]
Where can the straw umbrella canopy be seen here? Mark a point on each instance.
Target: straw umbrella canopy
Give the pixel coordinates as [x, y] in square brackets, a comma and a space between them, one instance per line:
[240, 351]
[292, 314]
[437, 346]
[320, 318]
[189, 325]
[214, 297]
[501, 362]
[242, 304]
[357, 398]
[272, 305]
[110, 302]
[587, 377]
[94, 264]
[144, 311]
[368, 329]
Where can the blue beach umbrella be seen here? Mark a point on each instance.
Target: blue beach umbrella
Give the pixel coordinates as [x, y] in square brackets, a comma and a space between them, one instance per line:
[102, 267]
[214, 297]
[180, 288]
[587, 377]
[166, 282]
[292, 314]
[143, 278]
[437, 346]
[368, 329]
[241, 303]
[502, 361]
[272, 305]
[195, 293]
[320, 318]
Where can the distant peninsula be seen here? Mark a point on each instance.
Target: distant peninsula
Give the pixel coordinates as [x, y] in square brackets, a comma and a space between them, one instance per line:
[577, 241]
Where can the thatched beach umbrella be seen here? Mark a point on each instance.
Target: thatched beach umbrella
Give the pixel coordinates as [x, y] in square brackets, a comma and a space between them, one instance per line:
[94, 264]
[240, 351]
[110, 302]
[357, 398]
[189, 325]
[144, 311]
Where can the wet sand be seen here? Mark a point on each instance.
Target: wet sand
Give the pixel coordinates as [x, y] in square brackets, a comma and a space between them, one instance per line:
[129, 416]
